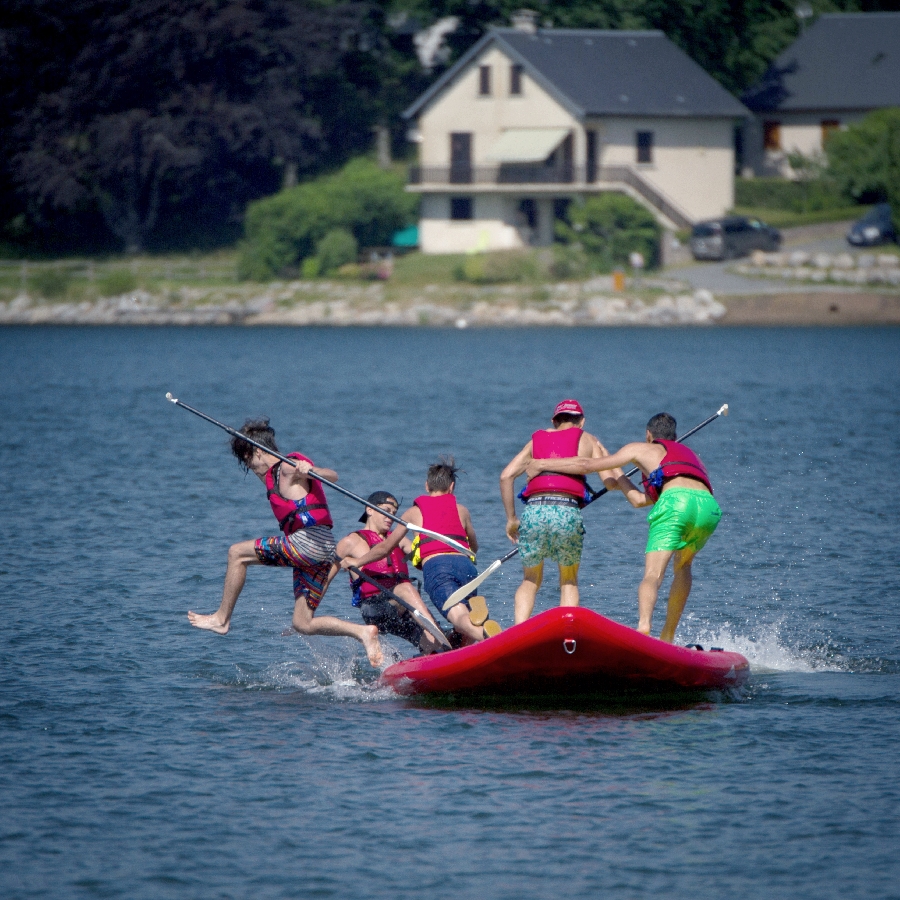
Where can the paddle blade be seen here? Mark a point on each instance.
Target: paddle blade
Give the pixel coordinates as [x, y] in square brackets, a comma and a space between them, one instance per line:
[432, 629]
[460, 594]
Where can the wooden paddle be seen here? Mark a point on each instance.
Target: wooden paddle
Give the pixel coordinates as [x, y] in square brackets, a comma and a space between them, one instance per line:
[235, 433]
[461, 593]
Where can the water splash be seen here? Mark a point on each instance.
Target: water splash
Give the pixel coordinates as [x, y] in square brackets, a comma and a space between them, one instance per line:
[768, 651]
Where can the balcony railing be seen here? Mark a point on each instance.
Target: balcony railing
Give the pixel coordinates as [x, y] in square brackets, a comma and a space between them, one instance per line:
[502, 173]
[507, 173]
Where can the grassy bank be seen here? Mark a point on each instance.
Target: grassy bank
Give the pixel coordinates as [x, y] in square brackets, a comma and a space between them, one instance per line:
[785, 218]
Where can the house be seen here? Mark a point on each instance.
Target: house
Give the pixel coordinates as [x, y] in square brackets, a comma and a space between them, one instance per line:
[842, 67]
[529, 120]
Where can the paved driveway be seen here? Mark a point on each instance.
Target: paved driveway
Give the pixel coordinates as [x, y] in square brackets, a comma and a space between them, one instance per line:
[716, 277]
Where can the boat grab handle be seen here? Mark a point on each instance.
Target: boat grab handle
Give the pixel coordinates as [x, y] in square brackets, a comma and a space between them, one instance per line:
[569, 645]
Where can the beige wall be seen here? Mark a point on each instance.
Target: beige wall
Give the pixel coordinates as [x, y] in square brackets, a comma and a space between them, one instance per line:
[492, 228]
[460, 108]
[799, 133]
[693, 159]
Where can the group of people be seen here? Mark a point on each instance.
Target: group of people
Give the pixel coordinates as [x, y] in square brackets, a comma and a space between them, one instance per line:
[556, 460]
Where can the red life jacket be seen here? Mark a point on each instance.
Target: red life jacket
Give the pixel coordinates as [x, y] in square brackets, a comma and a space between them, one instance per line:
[441, 515]
[388, 572]
[555, 445]
[679, 460]
[293, 515]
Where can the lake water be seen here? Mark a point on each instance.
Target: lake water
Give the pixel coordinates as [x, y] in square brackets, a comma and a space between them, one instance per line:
[141, 758]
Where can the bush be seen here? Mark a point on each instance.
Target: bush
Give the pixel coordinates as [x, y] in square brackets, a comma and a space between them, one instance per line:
[864, 159]
[282, 230]
[337, 248]
[498, 266]
[788, 196]
[609, 227]
[50, 283]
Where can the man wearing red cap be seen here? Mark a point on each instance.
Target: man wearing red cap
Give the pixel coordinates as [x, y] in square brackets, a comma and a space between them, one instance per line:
[551, 526]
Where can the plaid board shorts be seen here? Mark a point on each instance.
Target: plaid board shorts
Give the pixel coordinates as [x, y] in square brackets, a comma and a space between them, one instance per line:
[550, 532]
[309, 552]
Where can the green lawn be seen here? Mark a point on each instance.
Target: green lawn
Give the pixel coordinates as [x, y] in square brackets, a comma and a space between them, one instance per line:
[78, 279]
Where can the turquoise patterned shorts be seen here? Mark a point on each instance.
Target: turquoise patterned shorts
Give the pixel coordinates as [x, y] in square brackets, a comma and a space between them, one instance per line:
[550, 532]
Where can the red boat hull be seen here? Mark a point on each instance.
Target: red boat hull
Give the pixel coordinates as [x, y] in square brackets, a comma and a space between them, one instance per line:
[569, 649]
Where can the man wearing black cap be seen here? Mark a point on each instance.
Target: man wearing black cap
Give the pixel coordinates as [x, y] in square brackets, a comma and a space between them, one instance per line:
[551, 525]
[391, 572]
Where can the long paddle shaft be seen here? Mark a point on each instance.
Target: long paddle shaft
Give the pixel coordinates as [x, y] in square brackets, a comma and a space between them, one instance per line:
[234, 433]
[417, 614]
[466, 589]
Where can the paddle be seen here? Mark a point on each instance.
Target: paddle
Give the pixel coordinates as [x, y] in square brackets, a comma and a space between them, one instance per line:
[417, 614]
[461, 593]
[234, 433]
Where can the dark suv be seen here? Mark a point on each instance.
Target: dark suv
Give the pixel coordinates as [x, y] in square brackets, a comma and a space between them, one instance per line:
[732, 236]
[875, 227]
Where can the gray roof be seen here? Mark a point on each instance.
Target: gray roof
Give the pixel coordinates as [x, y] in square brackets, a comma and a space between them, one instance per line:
[845, 61]
[599, 73]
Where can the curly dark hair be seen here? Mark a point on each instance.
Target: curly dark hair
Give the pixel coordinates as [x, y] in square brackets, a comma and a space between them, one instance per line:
[441, 474]
[258, 430]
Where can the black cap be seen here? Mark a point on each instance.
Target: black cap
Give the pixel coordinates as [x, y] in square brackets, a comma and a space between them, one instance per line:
[376, 499]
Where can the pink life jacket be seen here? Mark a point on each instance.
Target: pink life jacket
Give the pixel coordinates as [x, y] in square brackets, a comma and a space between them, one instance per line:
[441, 515]
[293, 515]
[389, 572]
[679, 460]
[555, 445]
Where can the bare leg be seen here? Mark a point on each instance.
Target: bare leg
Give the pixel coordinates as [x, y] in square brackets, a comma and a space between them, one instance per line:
[305, 622]
[527, 592]
[239, 557]
[427, 643]
[654, 568]
[682, 579]
[568, 585]
[459, 619]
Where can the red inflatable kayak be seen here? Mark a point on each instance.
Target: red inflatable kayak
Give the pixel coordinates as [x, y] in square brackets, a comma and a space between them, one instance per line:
[567, 649]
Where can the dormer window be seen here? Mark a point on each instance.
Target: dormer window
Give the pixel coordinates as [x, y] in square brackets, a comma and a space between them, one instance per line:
[515, 80]
[484, 81]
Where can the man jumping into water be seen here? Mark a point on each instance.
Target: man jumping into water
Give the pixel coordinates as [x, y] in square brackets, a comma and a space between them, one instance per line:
[551, 526]
[307, 545]
[683, 517]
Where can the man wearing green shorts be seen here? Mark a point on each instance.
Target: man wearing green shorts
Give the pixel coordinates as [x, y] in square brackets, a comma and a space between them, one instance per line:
[684, 513]
[550, 526]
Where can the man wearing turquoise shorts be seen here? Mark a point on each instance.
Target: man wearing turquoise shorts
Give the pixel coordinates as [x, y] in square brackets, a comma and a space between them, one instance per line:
[683, 517]
[551, 526]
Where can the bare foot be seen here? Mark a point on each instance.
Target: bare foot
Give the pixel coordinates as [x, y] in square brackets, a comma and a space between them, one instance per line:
[209, 623]
[372, 645]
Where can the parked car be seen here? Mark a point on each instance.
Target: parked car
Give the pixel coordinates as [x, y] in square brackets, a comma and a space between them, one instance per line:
[732, 236]
[875, 227]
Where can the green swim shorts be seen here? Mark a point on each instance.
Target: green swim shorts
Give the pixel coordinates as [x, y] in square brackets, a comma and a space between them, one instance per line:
[552, 532]
[682, 518]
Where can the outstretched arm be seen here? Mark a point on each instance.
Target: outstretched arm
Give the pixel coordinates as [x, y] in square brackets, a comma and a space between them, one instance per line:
[581, 465]
[381, 550]
[508, 476]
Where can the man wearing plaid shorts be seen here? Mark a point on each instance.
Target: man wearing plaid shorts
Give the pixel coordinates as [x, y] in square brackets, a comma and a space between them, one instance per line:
[306, 545]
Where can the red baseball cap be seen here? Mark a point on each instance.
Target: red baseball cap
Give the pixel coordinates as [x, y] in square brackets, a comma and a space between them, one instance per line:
[568, 408]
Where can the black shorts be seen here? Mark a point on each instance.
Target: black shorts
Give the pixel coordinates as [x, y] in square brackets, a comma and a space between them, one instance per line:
[380, 611]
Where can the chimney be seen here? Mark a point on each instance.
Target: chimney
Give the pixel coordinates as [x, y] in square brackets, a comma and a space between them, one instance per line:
[525, 20]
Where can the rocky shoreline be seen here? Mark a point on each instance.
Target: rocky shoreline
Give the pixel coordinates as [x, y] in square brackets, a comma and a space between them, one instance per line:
[341, 304]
